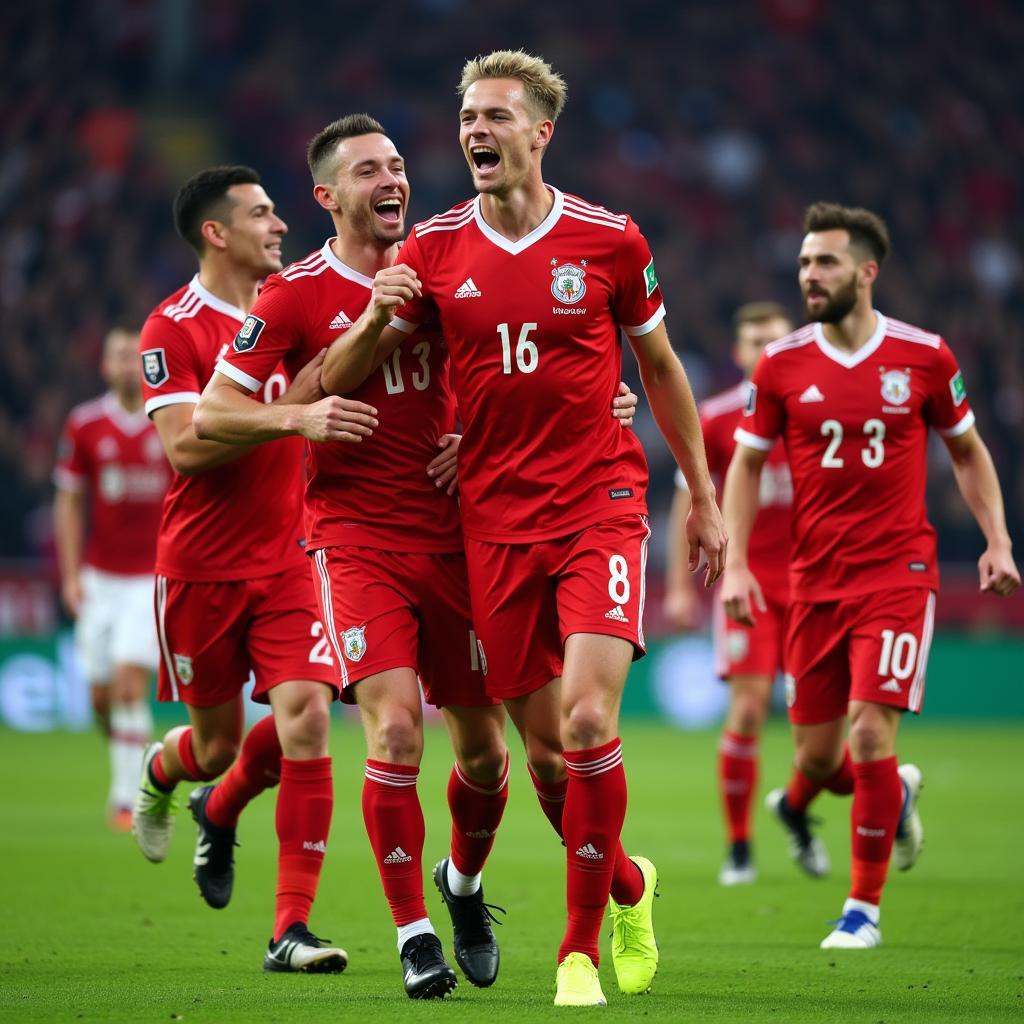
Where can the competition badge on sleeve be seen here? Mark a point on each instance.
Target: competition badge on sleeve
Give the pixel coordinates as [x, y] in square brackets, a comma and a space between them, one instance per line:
[650, 278]
[957, 388]
[154, 367]
[249, 334]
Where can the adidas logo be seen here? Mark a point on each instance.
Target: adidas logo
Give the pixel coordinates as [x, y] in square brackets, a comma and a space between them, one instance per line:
[891, 686]
[397, 856]
[468, 290]
[340, 322]
[589, 852]
[812, 394]
[482, 834]
[616, 614]
[318, 847]
[870, 833]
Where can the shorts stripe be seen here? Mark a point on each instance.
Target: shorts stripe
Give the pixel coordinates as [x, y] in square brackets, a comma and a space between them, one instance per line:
[320, 558]
[161, 613]
[643, 583]
[917, 687]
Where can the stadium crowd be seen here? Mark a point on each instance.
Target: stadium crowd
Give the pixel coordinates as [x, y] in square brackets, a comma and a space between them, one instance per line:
[713, 134]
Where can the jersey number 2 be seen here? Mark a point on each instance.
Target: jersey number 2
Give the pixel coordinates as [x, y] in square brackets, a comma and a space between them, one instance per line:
[872, 456]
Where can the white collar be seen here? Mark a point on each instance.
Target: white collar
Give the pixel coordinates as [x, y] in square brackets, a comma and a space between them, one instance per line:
[343, 269]
[852, 359]
[129, 423]
[213, 302]
[515, 248]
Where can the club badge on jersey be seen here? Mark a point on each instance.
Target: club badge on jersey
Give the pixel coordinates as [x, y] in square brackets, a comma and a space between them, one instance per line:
[354, 643]
[895, 385]
[183, 668]
[568, 285]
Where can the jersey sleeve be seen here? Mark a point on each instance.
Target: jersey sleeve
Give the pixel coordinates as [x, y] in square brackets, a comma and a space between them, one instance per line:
[637, 303]
[170, 370]
[422, 310]
[764, 414]
[72, 469]
[946, 408]
[275, 326]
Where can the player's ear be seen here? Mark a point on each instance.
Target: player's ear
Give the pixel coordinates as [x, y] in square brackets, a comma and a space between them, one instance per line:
[542, 136]
[869, 272]
[213, 232]
[323, 195]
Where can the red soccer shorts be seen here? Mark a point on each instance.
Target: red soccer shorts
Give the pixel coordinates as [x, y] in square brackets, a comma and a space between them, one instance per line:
[871, 648]
[528, 598]
[749, 650]
[387, 610]
[213, 634]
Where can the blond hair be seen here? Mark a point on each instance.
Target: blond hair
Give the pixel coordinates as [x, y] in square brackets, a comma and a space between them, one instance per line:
[545, 89]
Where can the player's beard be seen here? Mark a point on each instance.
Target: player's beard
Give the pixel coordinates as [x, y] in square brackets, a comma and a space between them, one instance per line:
[838, 306]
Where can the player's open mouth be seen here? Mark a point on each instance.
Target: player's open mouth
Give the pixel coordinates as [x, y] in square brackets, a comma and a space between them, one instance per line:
[389, 210]
[484, 157]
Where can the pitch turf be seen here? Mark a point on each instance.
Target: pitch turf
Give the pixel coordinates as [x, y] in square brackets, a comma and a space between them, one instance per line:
[92, 932]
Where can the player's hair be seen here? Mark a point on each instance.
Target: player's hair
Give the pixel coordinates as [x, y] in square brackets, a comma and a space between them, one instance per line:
[545, 89]
[321, 153]
[205, 197]
[866, 229]
[759, 313]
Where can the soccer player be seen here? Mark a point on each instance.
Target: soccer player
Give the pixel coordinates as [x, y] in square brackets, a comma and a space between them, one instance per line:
[530, 288]
[854, 394]
[233, 592]
[111, 477]
[387, 551]
[746, 657]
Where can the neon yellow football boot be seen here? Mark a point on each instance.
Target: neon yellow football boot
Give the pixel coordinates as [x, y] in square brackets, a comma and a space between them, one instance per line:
[577, 983]
[634, 948]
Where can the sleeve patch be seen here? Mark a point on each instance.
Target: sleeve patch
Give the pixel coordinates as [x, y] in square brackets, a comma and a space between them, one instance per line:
[249, 334]
[650, 278]
[957, 388]
[154, 367]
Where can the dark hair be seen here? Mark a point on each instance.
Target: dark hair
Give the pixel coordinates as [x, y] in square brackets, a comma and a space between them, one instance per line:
[759, 313]
[320, 151]
[866, 229]
[205, 197]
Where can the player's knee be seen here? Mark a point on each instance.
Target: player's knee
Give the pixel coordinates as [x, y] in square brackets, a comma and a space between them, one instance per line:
[868, 740]
[816, 764]
[747, 716]
[585, 726]
[398, 739]
[485, 765]
[306, 726]
[216, 755]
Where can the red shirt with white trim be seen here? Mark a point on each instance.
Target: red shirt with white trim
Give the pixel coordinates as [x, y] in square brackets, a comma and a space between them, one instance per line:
[768, 552]
[533, 331]
[116, 458]
[239, 520]
[375, 493]
[856, 430]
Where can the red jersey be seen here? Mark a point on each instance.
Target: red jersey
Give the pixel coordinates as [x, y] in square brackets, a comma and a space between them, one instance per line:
[533, 331]
[116, 457]
[770, 543]
[239, 520]
[856, 429]
[375, 493]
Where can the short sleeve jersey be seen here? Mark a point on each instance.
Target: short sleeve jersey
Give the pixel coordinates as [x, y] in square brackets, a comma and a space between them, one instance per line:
[770, 543]
[533, 329]
[115, 457]
[239, 520]
[375, 493]
[856, 430]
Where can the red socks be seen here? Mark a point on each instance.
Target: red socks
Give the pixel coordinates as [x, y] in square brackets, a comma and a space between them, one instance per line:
[304, 805]
[737, 781]
[188, 762]
[258, 768]
[552, 799]
[877, 801]
[476, 814]
[394, 823]
[595, 808]
[803, 790]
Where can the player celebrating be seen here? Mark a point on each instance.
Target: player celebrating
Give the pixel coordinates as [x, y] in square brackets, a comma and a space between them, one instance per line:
[233, 594]
[747, 657]
[112, 475]
[853, 394]
[530, 287]
[387, 551]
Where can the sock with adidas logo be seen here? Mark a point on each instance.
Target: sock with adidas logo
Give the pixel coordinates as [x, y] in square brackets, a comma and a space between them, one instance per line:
[477, 811]
[394, 823]
[595, 808]
[877, 801]
[305, 803]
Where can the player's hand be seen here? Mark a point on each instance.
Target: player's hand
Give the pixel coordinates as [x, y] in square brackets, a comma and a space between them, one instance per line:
[71, 595]
[624, 405]
[392, 287]
[337, 419]
[997, 572]
[441, 468]
[705, 529]
[305, 388]
[741, 594]
[682, 609]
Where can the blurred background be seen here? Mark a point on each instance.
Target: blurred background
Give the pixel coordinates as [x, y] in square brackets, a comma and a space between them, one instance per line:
[712, 123]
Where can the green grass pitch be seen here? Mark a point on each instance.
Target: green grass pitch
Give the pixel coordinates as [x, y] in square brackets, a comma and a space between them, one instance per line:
[92, 932]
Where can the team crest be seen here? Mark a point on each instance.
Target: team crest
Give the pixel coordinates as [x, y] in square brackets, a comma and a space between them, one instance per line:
[154, 367]
[354, 642]
[790, 681]
[568, 285]
[895, 386]
[737, 645]
[482, 656]
[249, 334]
[183, 668]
